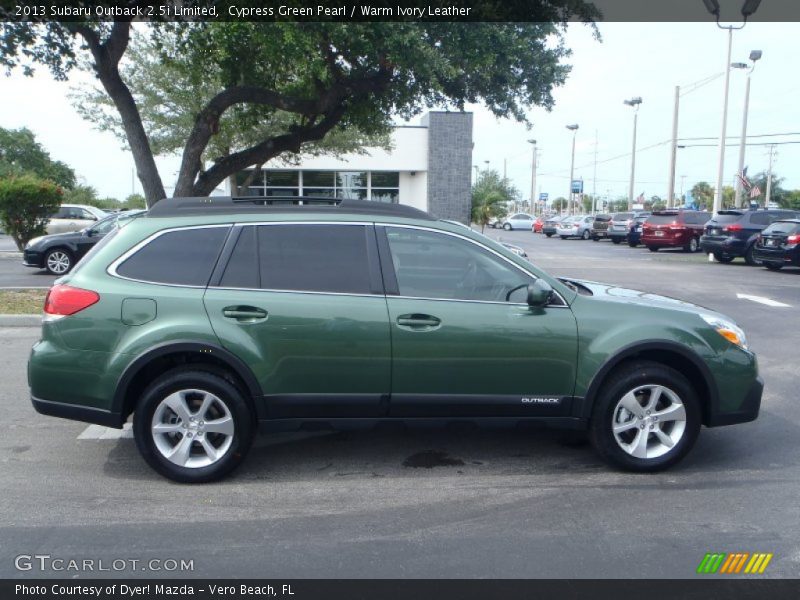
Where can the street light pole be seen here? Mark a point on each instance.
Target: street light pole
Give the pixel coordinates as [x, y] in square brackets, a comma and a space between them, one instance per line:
[574, 130]
[754, 56]
[748, 8]
[674, 149]
[533, 176]
[633, 102]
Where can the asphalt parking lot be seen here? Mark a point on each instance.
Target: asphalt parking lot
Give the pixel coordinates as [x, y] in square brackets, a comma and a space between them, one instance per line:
[483, 503]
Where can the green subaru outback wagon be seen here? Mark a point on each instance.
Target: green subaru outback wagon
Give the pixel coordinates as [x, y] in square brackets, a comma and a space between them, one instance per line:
[210, 319]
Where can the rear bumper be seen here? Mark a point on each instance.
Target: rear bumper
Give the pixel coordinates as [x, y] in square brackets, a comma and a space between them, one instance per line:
[748, 410]
[730, 246]
[778, 255]
[618, 234]
[76, 412]
[664, 242]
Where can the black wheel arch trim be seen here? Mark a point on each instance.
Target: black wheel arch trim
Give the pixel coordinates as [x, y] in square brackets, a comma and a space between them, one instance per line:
[236, 364]
[626, 352]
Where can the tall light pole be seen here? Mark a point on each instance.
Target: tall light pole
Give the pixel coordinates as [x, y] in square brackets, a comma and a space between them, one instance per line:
[673, 155]
[634, 103]
[754, 56]
[748, 8]
[574, 129]
[533, 176]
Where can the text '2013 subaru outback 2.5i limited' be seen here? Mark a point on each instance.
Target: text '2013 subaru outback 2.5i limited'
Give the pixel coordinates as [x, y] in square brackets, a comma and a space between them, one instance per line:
[209, 319]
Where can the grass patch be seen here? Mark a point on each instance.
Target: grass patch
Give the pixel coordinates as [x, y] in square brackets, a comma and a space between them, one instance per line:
[21, 302]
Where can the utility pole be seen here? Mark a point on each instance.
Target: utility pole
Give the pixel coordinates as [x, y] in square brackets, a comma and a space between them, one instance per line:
[674, 149]
[635, 103]
[769, 176]
[594, 177]
[533, 176]
[721, 162]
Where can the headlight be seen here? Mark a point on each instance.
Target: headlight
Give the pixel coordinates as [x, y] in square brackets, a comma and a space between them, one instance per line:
[727, 329]
[33, 242]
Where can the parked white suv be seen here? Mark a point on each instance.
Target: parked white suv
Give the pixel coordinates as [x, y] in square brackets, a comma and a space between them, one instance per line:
[74, 217]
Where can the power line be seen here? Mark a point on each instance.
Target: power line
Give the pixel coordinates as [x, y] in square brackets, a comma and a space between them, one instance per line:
[752, 144]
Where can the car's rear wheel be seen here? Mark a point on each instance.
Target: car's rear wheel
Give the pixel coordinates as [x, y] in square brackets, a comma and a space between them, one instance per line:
[653, 248]
[646, 418]
[749, 257]
[563, 237]
[632, 244]
[773, 266]
[692, 246]
[549, 234]
[616, 240]
[193, 426]
[58, 261]
[722, 258]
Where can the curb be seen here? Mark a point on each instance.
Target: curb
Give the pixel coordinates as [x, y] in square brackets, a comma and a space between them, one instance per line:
[20, 320]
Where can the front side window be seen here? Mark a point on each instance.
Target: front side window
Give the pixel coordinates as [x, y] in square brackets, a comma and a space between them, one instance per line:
[440, 266]
[180, 257]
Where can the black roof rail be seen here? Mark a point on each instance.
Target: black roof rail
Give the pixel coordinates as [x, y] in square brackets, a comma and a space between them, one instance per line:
[172, 207]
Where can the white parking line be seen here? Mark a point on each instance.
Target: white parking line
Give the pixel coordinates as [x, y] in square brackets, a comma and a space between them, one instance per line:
[98, 432]
[762, 300]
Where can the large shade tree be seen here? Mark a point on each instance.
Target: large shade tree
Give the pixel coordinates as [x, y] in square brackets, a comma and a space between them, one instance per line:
[322, 75]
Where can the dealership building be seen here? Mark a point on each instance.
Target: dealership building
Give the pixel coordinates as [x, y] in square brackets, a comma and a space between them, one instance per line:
[428, 167]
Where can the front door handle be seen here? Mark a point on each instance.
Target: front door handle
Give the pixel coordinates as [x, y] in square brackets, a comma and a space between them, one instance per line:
[245, 314]
[418, 322]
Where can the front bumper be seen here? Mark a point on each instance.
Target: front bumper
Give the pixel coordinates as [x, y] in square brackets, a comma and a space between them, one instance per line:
[748, 410]
[33, 258]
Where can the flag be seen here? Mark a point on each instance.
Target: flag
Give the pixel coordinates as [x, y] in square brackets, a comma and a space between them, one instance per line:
[640, 198]
[755, 191]
[742, 177]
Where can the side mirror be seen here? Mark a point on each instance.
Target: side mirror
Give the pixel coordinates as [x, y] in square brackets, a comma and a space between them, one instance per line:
[539, 293]
[90, 233]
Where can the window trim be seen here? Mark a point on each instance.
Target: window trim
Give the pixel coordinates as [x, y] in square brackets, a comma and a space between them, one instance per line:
[112, 268]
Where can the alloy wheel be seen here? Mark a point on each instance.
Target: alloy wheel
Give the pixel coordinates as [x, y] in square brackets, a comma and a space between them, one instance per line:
[648, 421]
[192, 428]
[58, 262]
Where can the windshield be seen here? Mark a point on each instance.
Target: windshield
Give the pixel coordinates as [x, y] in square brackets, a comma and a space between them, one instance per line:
[727, 216]
[783, 227]
[623, 216]
[662, 219]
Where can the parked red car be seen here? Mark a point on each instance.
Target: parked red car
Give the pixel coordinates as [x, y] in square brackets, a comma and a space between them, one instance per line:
[674, 229]
[537, 225]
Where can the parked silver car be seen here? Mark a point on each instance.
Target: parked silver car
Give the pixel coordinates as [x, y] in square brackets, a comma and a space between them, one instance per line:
[579, 226]
[518, 221]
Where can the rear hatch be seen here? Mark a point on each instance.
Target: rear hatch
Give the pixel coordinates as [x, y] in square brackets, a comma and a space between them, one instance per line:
[725, 223]
[779, 234]
[601, 223]
[663, 225]
[620, 222]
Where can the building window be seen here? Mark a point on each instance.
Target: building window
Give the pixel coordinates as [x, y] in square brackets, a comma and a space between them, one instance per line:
[381, 186]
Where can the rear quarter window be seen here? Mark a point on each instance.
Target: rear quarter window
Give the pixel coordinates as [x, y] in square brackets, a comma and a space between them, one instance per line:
[178, 257]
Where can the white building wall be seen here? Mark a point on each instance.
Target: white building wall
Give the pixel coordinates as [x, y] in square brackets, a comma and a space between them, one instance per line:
[414, 189]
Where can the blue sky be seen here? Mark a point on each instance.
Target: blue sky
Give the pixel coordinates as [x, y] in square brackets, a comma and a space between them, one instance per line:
[633, 59]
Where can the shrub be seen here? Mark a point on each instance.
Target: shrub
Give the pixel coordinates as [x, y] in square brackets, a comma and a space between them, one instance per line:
[26, 203]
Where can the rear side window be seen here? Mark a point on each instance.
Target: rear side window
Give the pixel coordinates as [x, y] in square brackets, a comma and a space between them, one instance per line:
[314, 258]
[180, 257]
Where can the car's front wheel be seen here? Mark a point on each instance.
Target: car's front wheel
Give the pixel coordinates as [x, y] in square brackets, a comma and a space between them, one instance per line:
[749, 257]
[653, 248]
[722, 258]
[646, 418]
[58, 262]
[193, 426]
[507, 226]
[773, 266]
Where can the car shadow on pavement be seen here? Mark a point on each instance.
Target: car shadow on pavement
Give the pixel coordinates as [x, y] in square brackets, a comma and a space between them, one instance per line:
[454, 453]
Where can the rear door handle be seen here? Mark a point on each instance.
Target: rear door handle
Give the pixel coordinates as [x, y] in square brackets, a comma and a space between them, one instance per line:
[245, 314]
[418, 322]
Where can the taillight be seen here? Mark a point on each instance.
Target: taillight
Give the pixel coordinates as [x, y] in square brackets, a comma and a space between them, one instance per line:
[793, 239]
[734, 227]
[63, 300]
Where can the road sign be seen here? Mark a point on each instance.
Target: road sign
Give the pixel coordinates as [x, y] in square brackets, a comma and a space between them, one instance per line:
[577, 186]
[543, 196]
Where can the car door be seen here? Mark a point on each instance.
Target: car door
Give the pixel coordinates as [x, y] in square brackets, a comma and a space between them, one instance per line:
[303, 305]
[57, 222]
[464, 340]
[521, 221]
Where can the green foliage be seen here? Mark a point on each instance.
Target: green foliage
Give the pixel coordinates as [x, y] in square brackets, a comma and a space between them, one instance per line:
[20, 153]
[791, 199]
[491, 195]
[134, 201]
[559, 204]
[26, 203]
[703, 193]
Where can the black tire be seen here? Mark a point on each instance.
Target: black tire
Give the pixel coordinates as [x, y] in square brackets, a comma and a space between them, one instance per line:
[625, 379]
[585, 234]
[632, 244]
[749, 256]
[773, 266]
[653, 248]
[50, 262]
[616, 240]
[193, 378]
[595, 238]
[507, 226]
[692, 246]
[563, 237]
[723, 259]
[549, 234]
